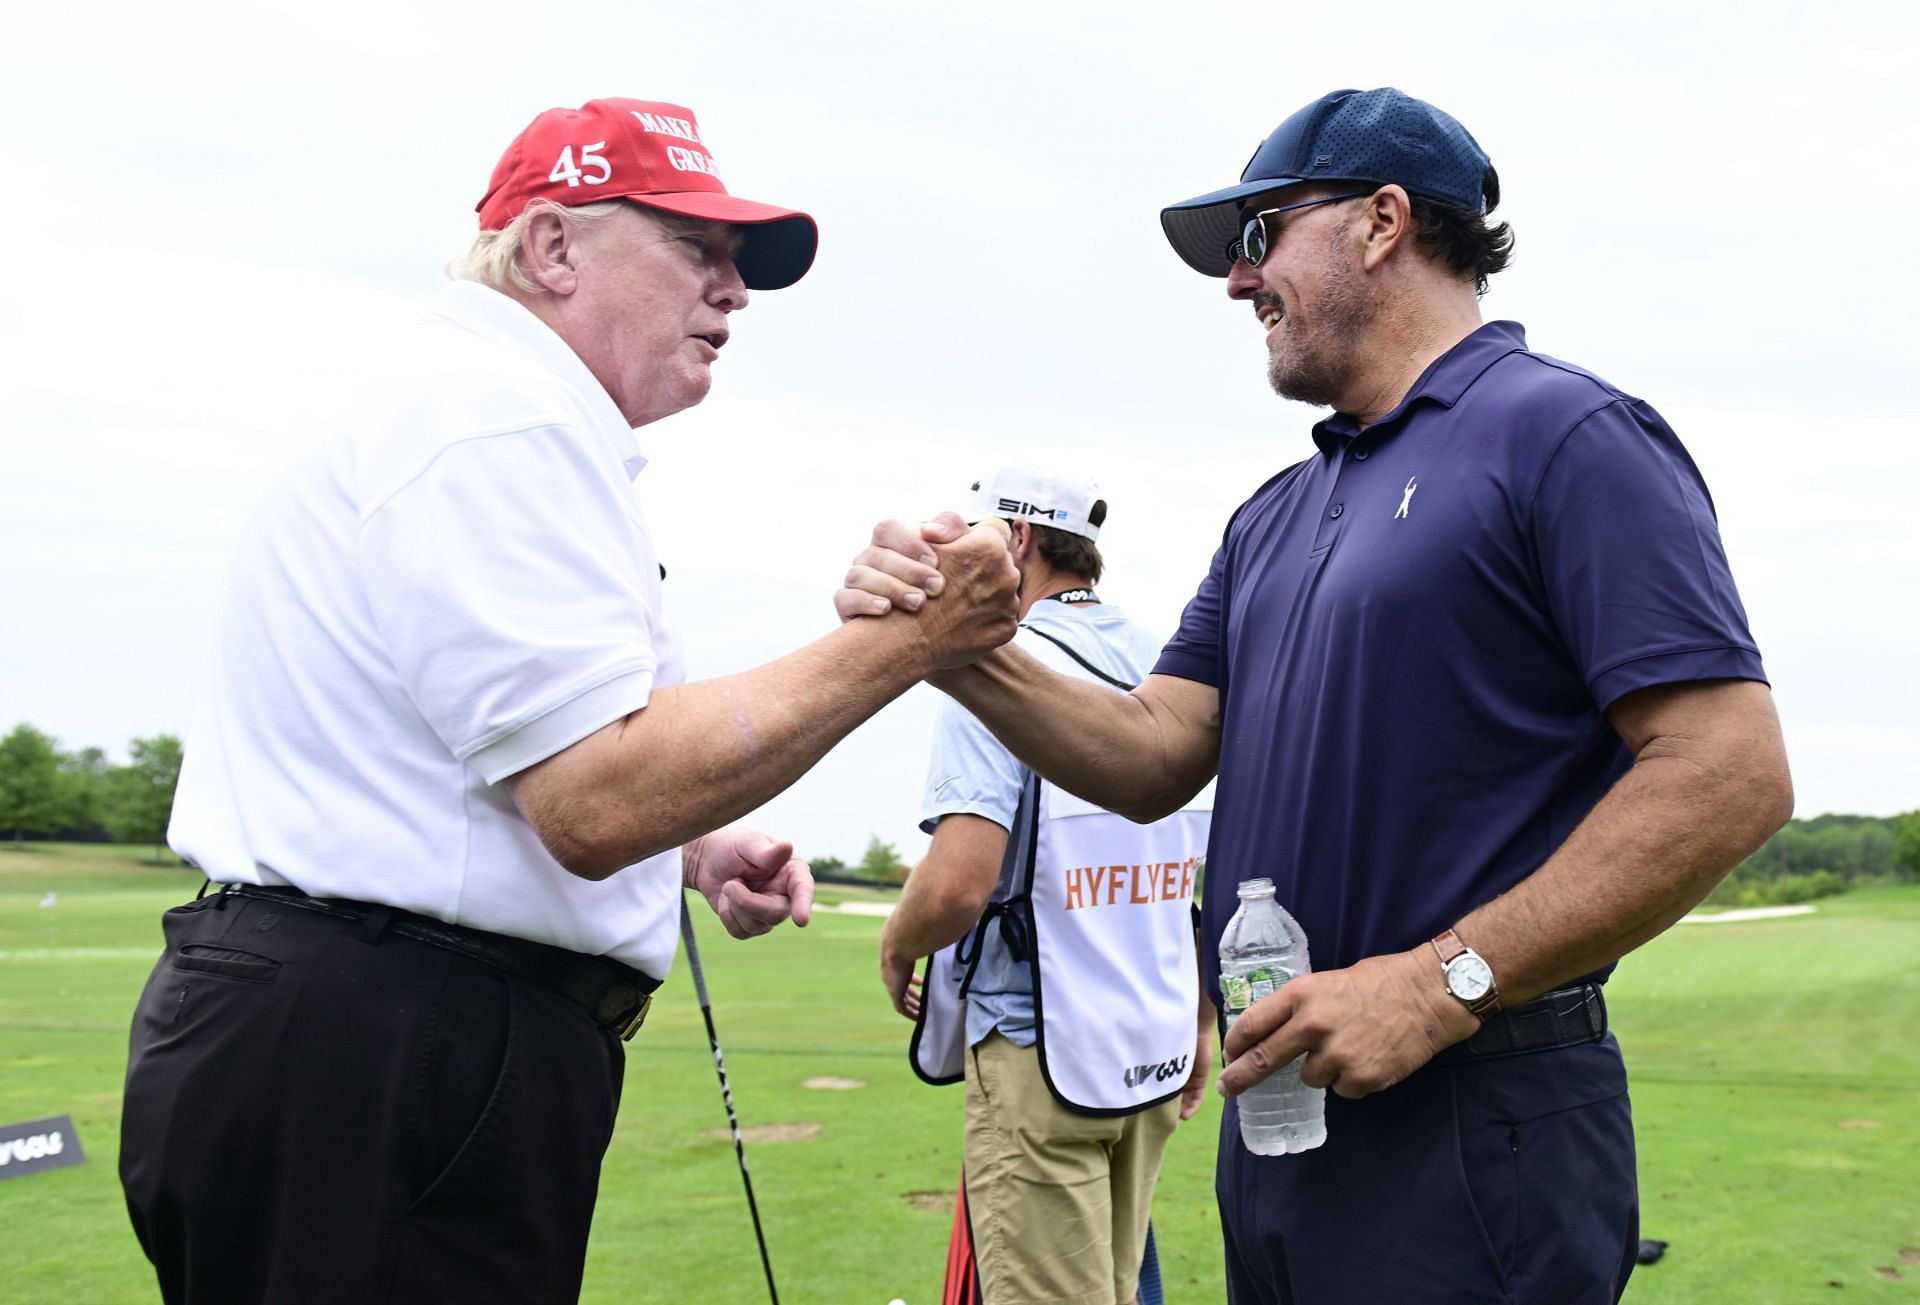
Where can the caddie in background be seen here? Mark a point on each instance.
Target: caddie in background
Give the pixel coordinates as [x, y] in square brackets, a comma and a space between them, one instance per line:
[1481, 698]
[450, 778]
[1071, 1005]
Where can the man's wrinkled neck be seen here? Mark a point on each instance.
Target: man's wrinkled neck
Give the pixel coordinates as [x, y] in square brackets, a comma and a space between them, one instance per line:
[1399, 350]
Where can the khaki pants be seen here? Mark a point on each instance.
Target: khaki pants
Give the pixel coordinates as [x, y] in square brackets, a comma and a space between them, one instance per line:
[1059, 1200]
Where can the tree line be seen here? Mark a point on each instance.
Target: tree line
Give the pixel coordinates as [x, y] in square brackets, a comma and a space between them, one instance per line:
[80, 796]
[881, 864]
[1823, 856]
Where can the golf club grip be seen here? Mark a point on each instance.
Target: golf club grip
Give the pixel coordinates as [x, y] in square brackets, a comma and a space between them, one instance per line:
[693, 951]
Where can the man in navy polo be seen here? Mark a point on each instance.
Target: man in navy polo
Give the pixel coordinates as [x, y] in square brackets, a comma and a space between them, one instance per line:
[1482, 701]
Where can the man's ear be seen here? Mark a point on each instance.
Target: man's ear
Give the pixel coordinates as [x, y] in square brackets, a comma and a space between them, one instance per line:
[550, 250]
[1022, 536]
[1387, 225]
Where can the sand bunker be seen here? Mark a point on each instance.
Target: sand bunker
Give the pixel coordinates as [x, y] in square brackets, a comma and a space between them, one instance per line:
[802, 1132]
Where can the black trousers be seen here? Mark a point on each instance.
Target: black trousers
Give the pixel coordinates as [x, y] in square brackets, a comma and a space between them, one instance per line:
[318, 1112]
[1492, 1182]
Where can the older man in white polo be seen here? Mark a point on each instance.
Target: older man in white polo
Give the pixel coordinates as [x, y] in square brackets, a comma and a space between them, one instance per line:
[449, 779]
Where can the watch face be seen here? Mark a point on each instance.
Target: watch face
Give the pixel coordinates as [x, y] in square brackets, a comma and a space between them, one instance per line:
[1469, 978]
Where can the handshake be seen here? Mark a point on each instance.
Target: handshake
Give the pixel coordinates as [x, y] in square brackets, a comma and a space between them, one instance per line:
[958, 585]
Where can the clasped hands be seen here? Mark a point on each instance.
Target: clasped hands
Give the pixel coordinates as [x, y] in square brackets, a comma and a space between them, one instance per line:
[958, 583]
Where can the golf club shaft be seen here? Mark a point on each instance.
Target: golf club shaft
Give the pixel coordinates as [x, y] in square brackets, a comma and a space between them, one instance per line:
[726, 1092]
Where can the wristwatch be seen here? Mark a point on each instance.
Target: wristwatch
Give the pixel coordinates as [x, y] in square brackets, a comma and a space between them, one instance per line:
[1469, 977]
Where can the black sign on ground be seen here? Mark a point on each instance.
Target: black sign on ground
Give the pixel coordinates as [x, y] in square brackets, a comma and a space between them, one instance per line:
[39, 1144]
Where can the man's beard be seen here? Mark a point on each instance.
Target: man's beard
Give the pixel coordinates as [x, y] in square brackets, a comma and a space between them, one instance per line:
[1316, 366]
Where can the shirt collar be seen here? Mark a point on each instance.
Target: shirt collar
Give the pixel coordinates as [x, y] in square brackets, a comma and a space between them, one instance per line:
[1445, 380]
[497, 317]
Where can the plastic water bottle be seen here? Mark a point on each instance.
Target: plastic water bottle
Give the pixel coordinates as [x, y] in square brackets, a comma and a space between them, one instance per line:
[1262, 948]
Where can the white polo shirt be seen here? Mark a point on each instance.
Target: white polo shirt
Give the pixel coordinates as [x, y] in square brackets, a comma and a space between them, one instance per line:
[458, 585]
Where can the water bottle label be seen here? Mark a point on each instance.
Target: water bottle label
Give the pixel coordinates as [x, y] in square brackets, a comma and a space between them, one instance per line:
[1242, 990]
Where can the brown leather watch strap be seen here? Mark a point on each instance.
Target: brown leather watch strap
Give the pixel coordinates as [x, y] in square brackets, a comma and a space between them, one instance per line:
[1448, 945]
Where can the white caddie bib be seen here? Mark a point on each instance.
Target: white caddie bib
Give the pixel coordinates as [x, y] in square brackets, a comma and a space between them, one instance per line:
[1115, 983]
[1104, 914]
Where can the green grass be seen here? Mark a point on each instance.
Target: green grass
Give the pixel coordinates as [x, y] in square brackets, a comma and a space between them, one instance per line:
[1774, 1068]
[1776, 1089]
[70, 971]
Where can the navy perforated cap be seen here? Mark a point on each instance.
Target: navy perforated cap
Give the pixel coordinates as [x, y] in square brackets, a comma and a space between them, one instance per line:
[1379, 136]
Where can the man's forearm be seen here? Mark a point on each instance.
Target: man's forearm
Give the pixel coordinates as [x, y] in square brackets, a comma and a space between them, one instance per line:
[700, 755]
[948, 890]
[1647, 853]
[926, 920]
[1131, 753]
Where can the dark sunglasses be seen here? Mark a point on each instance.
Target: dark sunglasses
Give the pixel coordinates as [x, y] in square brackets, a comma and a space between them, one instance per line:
[1253, 243]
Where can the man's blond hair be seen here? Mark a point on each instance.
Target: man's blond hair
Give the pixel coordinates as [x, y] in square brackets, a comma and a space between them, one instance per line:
[494, 260]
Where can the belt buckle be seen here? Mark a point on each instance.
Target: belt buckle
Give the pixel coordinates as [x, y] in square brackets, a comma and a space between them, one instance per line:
[639, 1018]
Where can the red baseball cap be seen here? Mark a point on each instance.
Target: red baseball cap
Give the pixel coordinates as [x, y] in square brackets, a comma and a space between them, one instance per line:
[650, 153]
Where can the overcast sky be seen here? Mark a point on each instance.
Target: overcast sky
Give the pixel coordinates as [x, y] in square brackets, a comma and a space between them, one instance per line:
[205, 206]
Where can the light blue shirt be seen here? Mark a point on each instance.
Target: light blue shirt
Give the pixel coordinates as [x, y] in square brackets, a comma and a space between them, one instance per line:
[973, 773]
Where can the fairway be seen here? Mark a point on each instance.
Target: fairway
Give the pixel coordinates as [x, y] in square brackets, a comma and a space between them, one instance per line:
[1774, 1066]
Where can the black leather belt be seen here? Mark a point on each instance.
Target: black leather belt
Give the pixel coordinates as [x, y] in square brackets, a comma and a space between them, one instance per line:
[617, 996]
[1562, 1018]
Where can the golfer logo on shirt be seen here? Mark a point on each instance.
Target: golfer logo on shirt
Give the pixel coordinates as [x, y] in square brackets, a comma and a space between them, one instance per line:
[1413, 483]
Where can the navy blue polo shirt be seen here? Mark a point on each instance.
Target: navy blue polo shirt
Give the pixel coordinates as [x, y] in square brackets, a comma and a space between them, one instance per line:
[1416, 635]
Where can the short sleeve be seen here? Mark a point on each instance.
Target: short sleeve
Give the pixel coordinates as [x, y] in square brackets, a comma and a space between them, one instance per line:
[1631, 559]
[971, 773]
[510, 580]
[1194, 652]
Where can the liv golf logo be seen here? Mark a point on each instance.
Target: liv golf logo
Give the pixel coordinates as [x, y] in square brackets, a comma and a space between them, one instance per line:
[38, 1144]
[1166, 1069]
